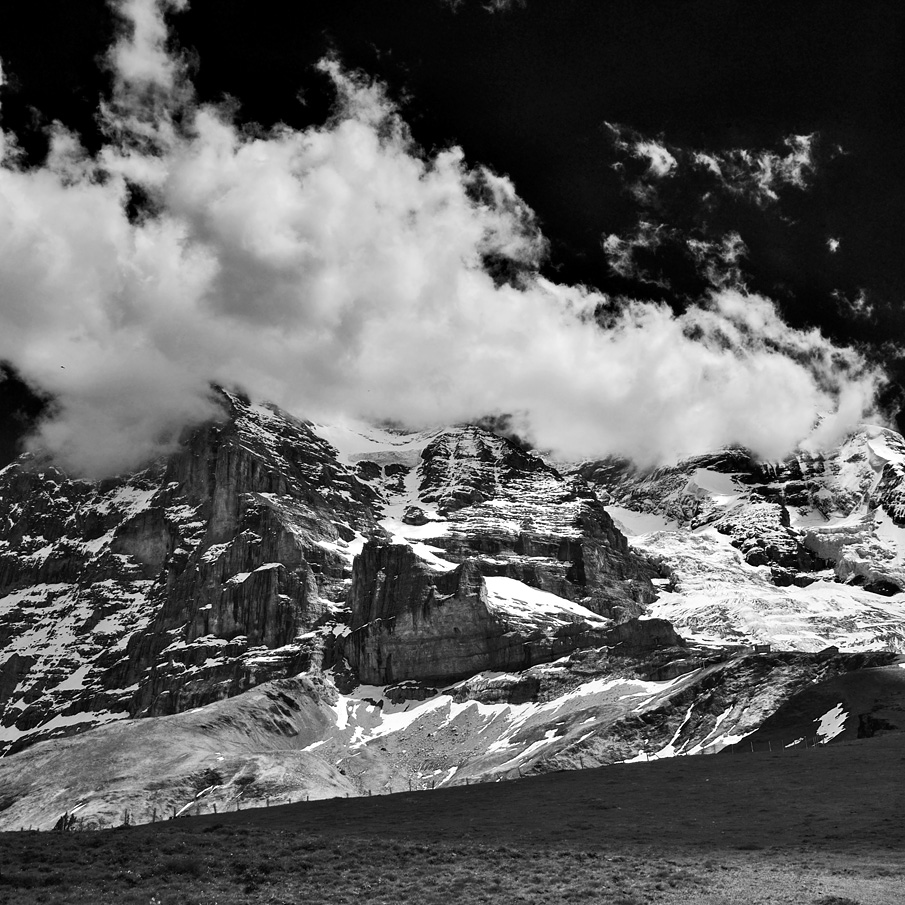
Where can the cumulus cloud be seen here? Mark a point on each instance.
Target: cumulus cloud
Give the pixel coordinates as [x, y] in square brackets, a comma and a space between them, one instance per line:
[339, 270]
[728, 368]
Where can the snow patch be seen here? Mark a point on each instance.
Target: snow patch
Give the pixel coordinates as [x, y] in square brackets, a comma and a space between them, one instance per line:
[358, 441]
[429, 555]
[633, 523]
[514, 598]
[832, 723]
[716, 482]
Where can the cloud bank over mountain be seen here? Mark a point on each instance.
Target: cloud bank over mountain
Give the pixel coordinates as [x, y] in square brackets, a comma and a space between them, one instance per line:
[341, 270]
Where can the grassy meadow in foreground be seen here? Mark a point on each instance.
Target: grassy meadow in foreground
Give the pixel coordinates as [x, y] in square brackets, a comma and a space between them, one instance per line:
[819, 827]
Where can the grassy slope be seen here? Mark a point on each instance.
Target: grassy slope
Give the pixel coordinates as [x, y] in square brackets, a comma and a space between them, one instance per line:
[813, 826]
[284, 741]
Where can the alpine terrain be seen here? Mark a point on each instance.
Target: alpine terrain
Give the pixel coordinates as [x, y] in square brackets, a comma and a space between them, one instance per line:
[284, 610]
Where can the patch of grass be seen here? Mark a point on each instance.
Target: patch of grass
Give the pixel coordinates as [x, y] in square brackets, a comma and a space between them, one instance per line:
[182, 864]
[513, 845]
[141, 867]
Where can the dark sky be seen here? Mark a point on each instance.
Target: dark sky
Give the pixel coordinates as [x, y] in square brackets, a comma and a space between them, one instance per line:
[528, 91]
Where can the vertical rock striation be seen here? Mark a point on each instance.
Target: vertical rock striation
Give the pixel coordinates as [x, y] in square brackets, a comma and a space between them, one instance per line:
[187, 582]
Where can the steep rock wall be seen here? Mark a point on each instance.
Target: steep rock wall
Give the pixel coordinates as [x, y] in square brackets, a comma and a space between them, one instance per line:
[412, 622]
[182, 584]
[522, 519]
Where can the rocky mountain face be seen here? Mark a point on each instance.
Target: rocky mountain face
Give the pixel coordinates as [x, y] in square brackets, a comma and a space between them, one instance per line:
[231, 563]
[284, 609]
[530, 567]
[801, 553]
[188, 582]
[781, 514]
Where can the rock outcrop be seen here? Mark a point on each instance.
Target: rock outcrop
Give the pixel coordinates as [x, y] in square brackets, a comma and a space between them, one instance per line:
[799, 516]
[523, 520]
[523, 566]
[411, 621]
[640, 636]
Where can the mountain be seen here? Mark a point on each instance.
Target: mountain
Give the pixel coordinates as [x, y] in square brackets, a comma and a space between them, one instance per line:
[802, 554]
[282, 610]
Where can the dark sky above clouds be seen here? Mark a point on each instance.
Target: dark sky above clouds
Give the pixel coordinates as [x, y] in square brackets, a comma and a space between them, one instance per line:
[666, 148]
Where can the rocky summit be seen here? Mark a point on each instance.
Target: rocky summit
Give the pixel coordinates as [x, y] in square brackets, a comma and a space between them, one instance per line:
[282, 609]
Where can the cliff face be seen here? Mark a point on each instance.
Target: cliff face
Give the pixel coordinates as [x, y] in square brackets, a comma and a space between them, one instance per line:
[411, 621]
[230, 563]
[188, 582]
[509, 564]
[520, 518]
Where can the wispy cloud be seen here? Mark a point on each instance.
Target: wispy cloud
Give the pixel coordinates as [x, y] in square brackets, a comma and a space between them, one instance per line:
[683, 187]
[492, 6]
[757, 174]
[720, 260]
[139, 57]
[337, 270]
[659, 158]
[857, 305]
[760, 175]
[622, 251]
